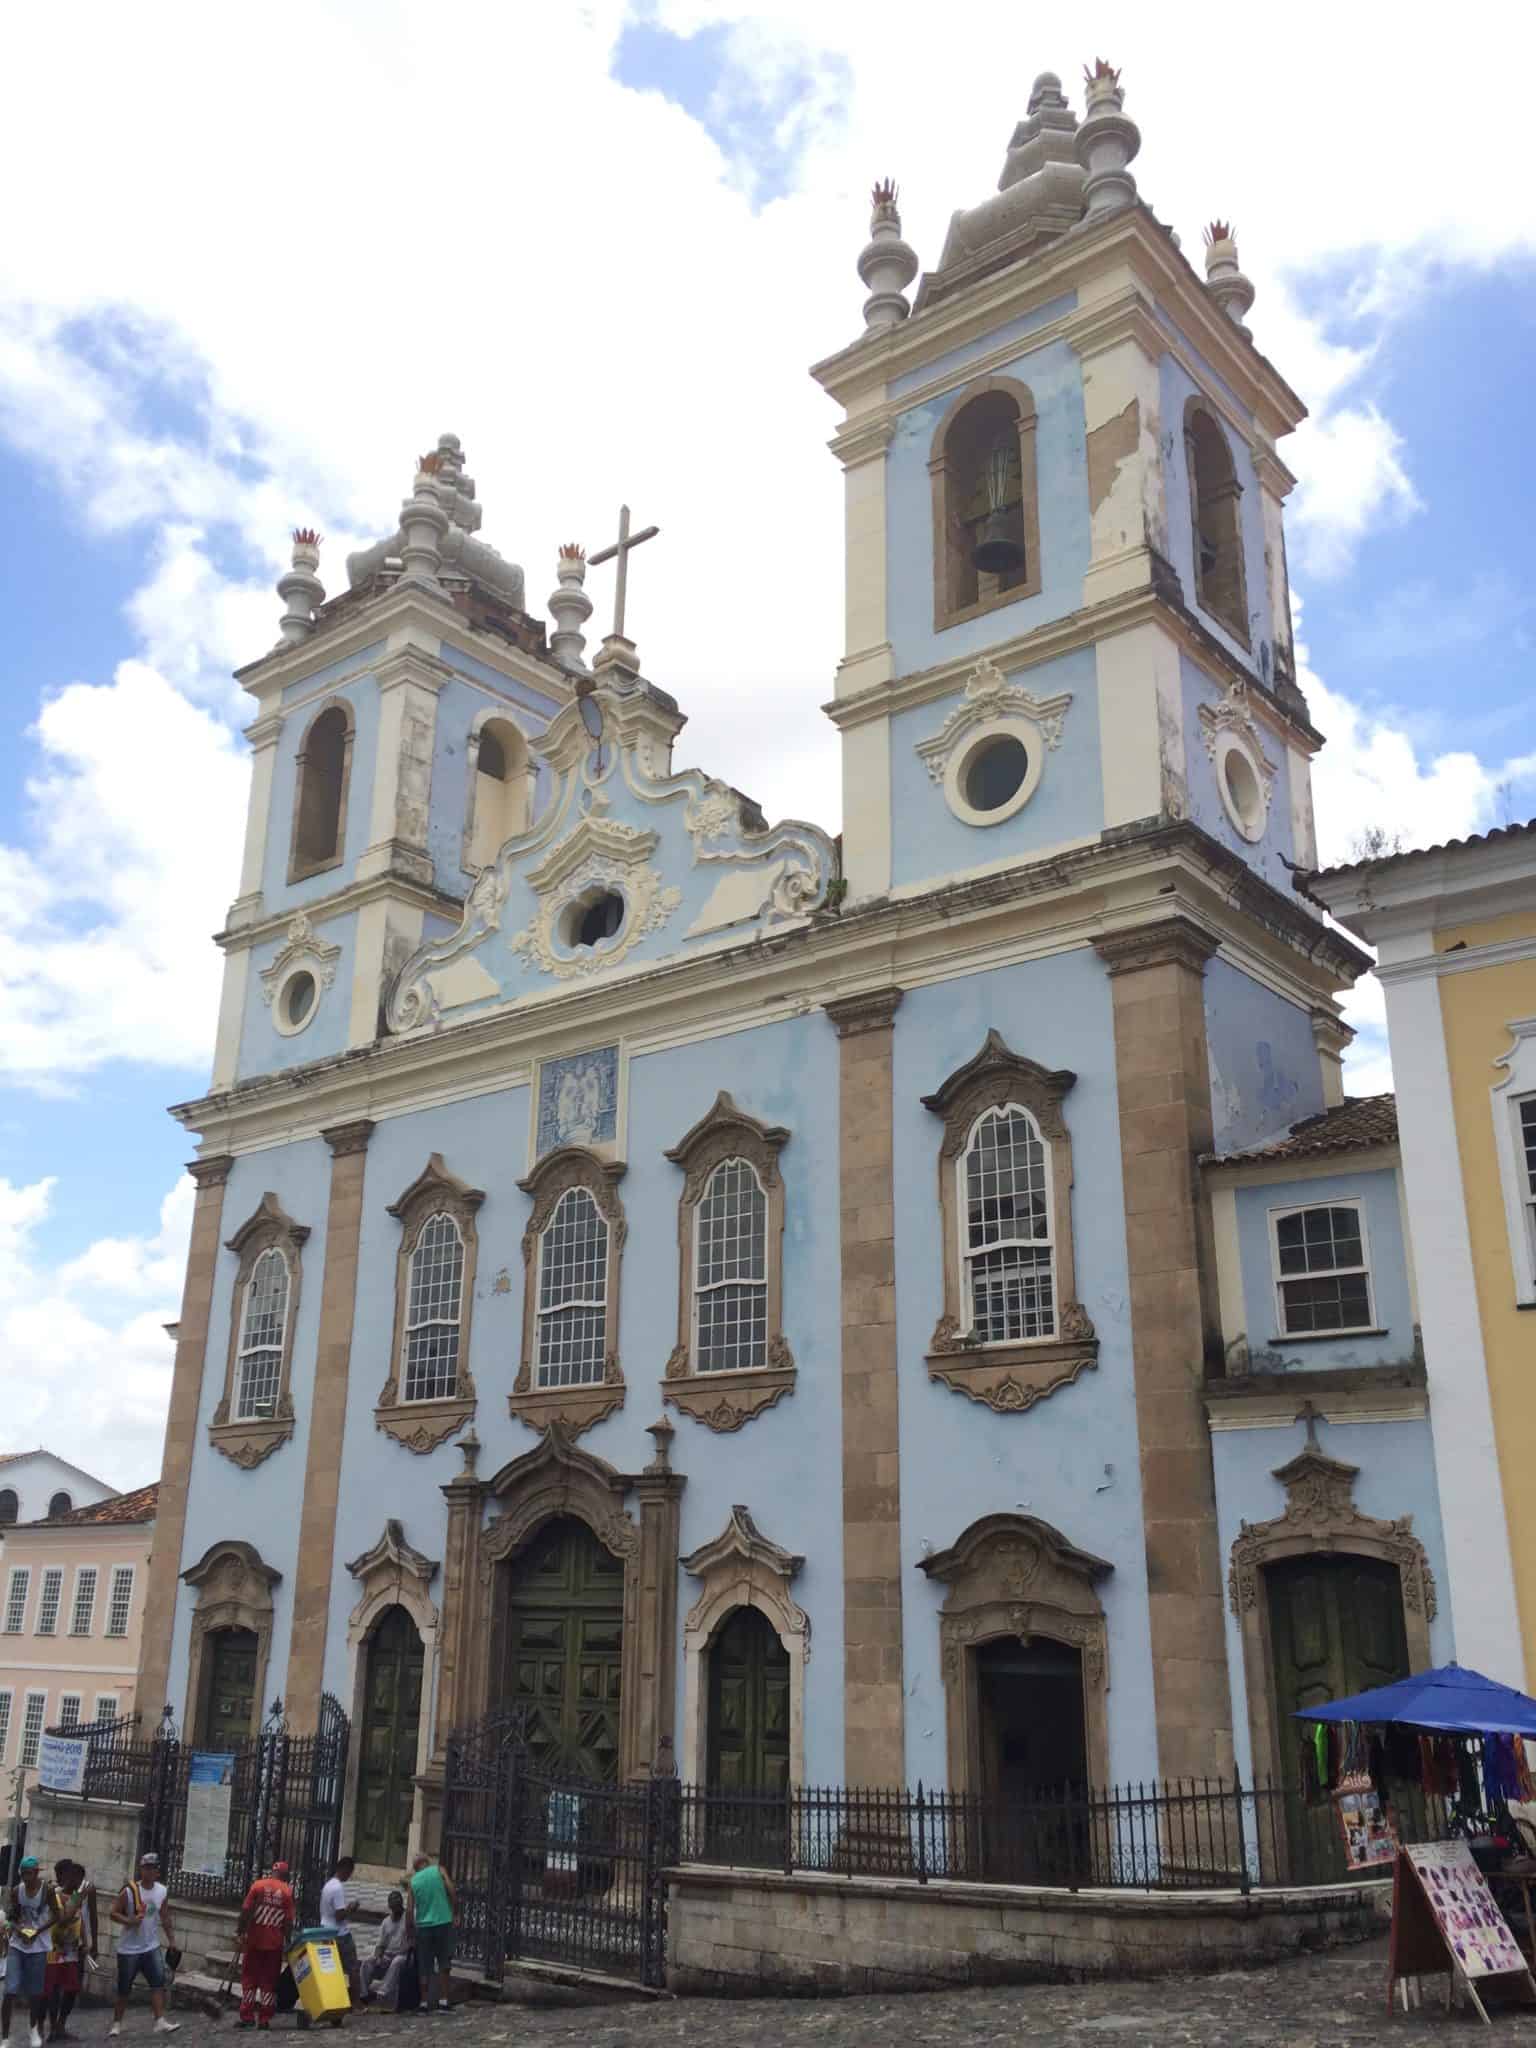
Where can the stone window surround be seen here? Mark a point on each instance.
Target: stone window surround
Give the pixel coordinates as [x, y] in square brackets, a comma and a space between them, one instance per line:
[1517, 1084]
[1008, 1377]
[233, 1584]
[945, 515]
[1273, 1220]
[573, 1408]
[741, 1568]
[298, 869]
[1195, 405]
[269, 1227]
[1015, 1576]
[391, 1573]
[1320, 1519]
[724, 1401]
[498, 714]
[422, 1425]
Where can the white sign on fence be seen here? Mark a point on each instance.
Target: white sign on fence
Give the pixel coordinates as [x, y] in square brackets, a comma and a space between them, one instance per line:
[210, 1783]
[61, 1763]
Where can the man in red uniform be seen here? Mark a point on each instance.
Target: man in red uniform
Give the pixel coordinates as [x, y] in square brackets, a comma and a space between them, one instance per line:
[265, 1919]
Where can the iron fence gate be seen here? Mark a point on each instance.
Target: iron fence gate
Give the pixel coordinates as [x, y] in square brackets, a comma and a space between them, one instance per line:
[555, 1867]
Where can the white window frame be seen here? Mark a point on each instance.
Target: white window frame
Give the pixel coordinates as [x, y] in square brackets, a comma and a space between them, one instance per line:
[701, 1288]
[543, 1372]
[46, 1624]
[120, 1573]
[110, 1702]
[455, 1322]
[20, 1574]
[74, 1605]
[32, 1735]
[63, 1718]
[1518, 1086]
[246, 1349]
[1370, 1327]
[6, 1699]
[994, 1113]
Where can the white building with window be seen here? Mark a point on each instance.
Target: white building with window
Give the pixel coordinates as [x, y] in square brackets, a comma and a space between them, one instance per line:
[38, 1483]
[72, 1588]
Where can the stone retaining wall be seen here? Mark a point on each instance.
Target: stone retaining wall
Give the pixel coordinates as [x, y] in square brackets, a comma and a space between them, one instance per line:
[758, 1932]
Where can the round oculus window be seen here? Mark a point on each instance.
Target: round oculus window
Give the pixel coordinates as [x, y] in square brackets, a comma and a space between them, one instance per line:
[995, 772]
[1243, 793]
[592, 919]
[296, 1001]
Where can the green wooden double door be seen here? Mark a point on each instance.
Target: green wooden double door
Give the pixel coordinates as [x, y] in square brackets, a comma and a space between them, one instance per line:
[388, 1740]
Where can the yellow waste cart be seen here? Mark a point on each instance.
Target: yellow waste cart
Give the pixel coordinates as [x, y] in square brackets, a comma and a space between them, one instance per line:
[319, 1974]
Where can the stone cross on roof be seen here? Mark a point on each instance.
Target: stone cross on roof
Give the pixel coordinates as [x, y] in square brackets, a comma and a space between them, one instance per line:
[621, 548]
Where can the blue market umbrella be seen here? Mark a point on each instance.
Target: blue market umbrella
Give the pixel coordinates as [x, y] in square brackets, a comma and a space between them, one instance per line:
[1451, 1698]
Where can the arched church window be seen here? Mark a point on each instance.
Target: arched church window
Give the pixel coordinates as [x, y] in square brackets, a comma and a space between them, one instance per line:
[986, 525]
[1215, 497]
[264, 1326]
[320, 802]
[10, 1506]
[572, 1254]
[429, 1392]
[255, 1412]
[1010, 1267]
[498, 797]
[731, 1360]
[60, 1504]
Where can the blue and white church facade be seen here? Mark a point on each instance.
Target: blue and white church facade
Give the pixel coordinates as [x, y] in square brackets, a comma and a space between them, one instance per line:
[911, 1306]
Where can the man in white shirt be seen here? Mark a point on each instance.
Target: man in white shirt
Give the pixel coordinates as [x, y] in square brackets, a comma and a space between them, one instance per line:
[28, 1915]
[139, 1913]
[335, 1912]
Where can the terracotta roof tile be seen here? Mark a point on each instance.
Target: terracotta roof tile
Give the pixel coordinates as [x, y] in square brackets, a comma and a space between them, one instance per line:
[1362, 1121]
[1378, 861]
[138, 1506]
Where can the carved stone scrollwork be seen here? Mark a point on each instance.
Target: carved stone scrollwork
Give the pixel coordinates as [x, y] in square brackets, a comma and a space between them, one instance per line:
[1009, 1377]
[742, 1568]
[725, 1401]
[1013, 1575]
[579, 1407]
[421, 1425]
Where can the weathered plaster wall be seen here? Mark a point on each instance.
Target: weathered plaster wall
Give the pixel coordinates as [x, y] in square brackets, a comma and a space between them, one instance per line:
[279, 894]
[1054, 376]
[1265, 1071]
[1378, 1196]
[1073, 1459]
[1269, 854]
[459, 705]
[958, 359]
[929, 843]
[1178, 387]
[263, 1048]
[1397, 1477]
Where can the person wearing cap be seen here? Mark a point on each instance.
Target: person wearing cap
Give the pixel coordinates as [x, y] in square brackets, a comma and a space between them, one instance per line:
[139, 1914]
[266, 1919]
[28, 1915]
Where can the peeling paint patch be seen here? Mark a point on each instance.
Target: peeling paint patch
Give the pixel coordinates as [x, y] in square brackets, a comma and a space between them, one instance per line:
[1108, 447]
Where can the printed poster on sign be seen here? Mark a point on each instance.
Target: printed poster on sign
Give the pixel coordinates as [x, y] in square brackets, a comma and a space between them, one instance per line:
[1475, 1930]
[61, 1763]
[210, 1784]
[1368, 1834]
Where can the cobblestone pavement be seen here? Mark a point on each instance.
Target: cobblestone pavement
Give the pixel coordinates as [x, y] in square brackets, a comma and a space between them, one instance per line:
[1332, 2001]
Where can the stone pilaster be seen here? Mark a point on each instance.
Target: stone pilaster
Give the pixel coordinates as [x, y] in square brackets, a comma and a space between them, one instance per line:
[327, 1425]
[658, 1489]
[874, 1750]
[466, 1619]
[1163, 1080]
[180, 1436]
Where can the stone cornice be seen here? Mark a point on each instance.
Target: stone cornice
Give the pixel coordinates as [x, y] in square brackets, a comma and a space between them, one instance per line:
[1036, 909]
[345, 1139]
[213, 1170]
[1161, 942]
[874, 1010]
[389, 887]
[1057, 637]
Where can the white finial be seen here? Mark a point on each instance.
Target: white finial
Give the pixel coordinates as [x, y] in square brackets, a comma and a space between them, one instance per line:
[887, 264]
[1224, 280]
[1106, 143]
[570, 608]
[300, 588]
[423, 523]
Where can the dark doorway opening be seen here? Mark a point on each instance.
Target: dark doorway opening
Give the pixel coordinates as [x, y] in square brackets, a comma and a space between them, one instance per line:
[1034, 1760]
[391, 1727]
[748, 1706]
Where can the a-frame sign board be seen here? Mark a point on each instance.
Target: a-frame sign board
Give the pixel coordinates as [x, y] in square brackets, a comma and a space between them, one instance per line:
[1445, 1920]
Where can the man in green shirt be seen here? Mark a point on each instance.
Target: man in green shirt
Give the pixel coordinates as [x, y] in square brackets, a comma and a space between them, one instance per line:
[431, 1919]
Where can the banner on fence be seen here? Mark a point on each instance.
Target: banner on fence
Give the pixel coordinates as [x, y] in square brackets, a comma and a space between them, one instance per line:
[210, 1786]
[61, 1763]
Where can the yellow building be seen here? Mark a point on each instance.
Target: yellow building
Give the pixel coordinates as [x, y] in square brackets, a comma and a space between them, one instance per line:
[1455, 930]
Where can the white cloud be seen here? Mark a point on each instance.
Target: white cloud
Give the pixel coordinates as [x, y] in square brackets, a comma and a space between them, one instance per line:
[95, 1325]
[1353, 479]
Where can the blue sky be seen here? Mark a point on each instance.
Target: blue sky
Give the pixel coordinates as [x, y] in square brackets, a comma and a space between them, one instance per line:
[610, 278]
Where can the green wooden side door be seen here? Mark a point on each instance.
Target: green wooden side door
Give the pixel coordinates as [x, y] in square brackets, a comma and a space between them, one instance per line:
[1336, 1628]
[230, 1713]
[386, 1787]
[748, 1706]
[565, 1644]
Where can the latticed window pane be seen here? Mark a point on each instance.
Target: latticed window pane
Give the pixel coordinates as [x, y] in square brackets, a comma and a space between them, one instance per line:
[106, 1707]
[5, 1723]
[16, 1601]
[1528, 1160]
[48, 1601]
[1324, 1285]
[120, 1604]
[261, 1338]
[432, 1312]
[1010, 1258]
[32, 1729]
[69, 1710]
[730, 1281]
[573, 1293]
[85, 1601]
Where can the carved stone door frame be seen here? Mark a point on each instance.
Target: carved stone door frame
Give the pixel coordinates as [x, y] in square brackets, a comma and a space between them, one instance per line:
[233, 1584]
[741, 1568]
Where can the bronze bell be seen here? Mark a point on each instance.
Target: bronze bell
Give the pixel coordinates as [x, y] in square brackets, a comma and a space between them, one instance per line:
[997, 551]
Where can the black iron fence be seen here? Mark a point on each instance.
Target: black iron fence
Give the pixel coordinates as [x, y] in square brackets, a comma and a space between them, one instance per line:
[285, 1800]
